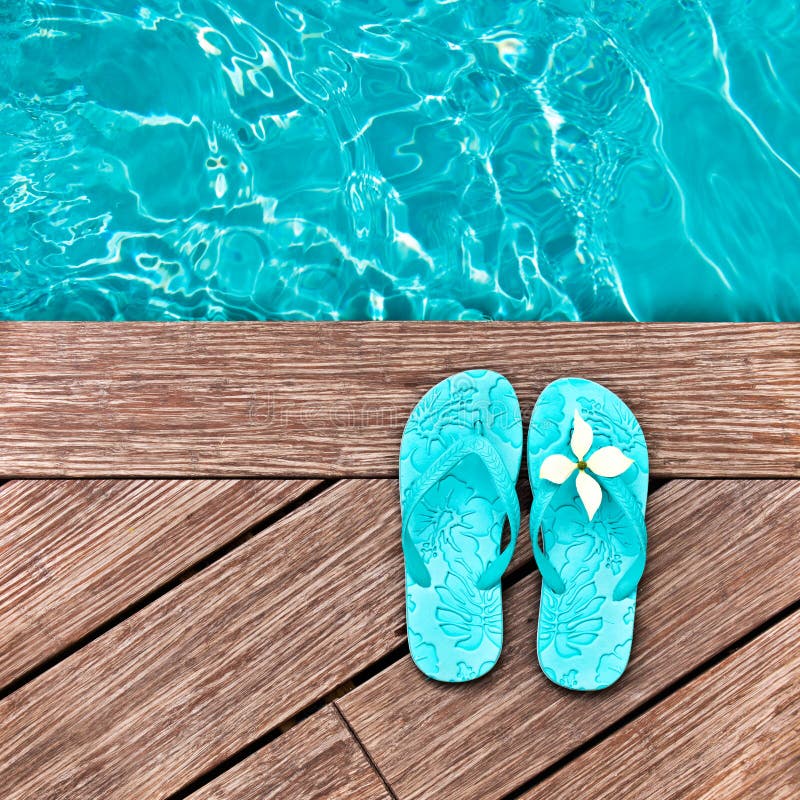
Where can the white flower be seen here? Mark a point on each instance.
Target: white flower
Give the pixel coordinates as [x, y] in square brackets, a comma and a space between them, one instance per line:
[608, 462]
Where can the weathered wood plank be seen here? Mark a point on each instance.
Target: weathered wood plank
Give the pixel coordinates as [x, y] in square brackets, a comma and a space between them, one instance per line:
[279, 399]
[733, 733]
[73, 554]
[316, 760]
[719, 565]
[218, 661]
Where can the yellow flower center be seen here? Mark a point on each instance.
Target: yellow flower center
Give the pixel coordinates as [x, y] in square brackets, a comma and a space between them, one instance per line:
[582, 465]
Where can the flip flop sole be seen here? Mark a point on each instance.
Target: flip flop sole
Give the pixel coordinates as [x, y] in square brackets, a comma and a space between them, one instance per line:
[455, 630]
[584, 635]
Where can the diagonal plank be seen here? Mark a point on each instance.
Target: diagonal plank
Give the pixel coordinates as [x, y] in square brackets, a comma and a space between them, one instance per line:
[73, 554]
[316, 760]
[218, 661]
[279, 399]
[732, 733]
[719, 565]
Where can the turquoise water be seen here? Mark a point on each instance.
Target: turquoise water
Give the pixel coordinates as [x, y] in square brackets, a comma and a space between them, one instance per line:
[201, 159]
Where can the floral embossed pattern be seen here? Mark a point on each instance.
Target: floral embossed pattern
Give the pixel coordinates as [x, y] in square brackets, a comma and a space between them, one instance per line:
[546, 432]
[446, 519]
[603, 541]
[615, 423]
[459, 406]
[457, 523]
[571, 620]
[467, 614]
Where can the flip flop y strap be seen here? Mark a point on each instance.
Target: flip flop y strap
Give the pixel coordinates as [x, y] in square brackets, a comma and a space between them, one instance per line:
[633, 514]
[541, 500]
[626, 501]
[472, 444]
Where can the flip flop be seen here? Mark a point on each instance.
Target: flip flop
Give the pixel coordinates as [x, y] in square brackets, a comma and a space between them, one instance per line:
[588, 467]
[459, 461]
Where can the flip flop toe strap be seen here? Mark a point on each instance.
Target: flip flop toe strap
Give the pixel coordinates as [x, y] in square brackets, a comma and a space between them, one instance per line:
[627, 502]
[472, 444]
[633, 514]
[541, 500]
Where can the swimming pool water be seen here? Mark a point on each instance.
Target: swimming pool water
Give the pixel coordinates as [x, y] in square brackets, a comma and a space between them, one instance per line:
[560, 159]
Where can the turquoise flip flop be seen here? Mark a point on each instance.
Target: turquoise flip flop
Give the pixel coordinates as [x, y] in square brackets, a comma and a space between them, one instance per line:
[459, 461]
[588, 467]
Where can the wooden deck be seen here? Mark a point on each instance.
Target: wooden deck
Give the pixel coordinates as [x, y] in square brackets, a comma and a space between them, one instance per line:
[201, 591]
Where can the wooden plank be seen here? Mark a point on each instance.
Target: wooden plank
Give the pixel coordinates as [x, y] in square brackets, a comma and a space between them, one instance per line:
[720, 563]
[280, 399]
[316, 760]
[73, 554]
[732, 733]
[218, 661]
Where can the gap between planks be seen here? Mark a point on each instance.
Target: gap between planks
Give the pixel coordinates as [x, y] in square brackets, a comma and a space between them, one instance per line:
[224, 644]
[236, 769]
[522, 571]
[731, 733]
[704, 669]
[722, 551]
[163, 548]
[14, 675]
[383, 530]
[332, 700]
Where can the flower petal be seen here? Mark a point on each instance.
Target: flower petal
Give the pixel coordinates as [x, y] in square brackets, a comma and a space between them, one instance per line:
[556, 468]
[608, 462]
[590, 492]
[582, 436]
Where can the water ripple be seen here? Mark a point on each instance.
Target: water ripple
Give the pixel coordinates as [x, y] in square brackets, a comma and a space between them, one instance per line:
[413, 159]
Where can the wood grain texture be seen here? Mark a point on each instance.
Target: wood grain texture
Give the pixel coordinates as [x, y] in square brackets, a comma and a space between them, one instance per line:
[220, 660]
[306, 399]
[719, 564]
[73, 554]
[733, 733]
[316, 760]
